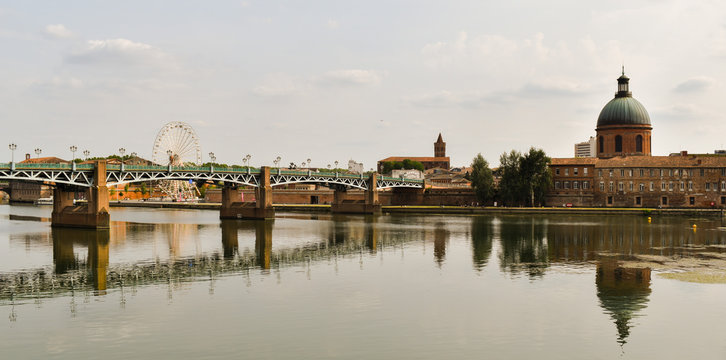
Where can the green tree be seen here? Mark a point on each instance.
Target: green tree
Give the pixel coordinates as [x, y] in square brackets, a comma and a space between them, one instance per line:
[481, 179]
[525, 177]
[509, 184]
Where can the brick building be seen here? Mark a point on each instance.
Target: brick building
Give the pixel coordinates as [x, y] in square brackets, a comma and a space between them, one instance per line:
[625, 174]
[439, 160]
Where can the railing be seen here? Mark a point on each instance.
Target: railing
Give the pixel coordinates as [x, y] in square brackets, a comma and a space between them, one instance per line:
[389, 178]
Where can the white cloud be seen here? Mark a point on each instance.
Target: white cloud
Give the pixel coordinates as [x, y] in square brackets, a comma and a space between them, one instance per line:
[696, 84]
[58, 31]
[332, 24]
[352, 77]
[278, 85]
[120, 52]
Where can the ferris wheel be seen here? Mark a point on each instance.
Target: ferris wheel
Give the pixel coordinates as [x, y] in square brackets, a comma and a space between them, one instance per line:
[177, 144]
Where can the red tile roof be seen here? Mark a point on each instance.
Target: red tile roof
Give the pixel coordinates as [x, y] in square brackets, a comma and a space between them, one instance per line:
[45, 160]
[415, 158]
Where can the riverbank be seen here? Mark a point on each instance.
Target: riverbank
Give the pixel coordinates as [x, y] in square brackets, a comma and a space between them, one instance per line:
[447, 210]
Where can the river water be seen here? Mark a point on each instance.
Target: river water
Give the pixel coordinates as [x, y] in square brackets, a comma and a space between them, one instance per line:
[169, 284]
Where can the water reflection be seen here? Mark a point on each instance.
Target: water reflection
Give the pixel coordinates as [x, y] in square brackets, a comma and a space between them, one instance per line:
[623, 293]
[524, 246]
[441, 238]
[96, 262]
[482, 233]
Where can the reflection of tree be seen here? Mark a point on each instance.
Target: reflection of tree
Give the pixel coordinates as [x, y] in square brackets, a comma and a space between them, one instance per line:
[623, 292]
[481, 240]
[523, 245]
[441, 237]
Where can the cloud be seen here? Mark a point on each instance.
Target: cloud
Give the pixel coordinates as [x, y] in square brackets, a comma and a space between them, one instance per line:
[120, 52]
[58, 31]
[453, 99]
[279, 85]
[697, 84]
[332, 24]
[352, 77]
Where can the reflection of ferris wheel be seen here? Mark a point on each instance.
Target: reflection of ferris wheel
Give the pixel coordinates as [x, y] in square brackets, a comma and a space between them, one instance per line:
[177, 144]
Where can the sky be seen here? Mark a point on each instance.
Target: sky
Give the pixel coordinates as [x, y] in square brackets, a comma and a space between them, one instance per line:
[363, 80]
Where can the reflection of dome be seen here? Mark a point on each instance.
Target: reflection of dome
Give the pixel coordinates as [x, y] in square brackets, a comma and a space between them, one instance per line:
[623, 292]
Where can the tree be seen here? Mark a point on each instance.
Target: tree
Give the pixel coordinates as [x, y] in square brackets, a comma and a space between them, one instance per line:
[481, 179]
[525, 177]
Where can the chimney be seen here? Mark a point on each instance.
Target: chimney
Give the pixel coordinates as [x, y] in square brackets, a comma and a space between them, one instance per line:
[684, 152]
[27, 156]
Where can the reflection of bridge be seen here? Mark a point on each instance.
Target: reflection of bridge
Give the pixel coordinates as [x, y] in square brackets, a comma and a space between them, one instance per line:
[94, 179]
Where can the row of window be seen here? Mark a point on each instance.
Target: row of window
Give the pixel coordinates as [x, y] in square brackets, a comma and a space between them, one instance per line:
[664, 186]
[656, 172]
[575, 171]
[664, 200]
[575, 185]
[619, 143]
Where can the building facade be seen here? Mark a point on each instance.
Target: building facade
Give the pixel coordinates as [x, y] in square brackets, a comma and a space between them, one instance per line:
[439, 160]
[586, 148]
[625, 174]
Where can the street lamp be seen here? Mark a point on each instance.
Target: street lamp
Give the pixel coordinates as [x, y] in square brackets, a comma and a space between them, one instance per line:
[246, 159]
[328, 166]
[37, 152]
[86, 153]
[277, 161]
[12, 147]
[73, 153]
[336, 164]
[212, 158]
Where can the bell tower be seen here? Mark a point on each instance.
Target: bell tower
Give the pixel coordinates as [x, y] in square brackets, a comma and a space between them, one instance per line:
[439, 147]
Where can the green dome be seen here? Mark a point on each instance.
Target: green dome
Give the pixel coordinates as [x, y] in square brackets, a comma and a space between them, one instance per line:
[623, 110]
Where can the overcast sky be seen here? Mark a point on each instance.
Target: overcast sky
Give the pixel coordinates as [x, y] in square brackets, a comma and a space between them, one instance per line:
[340, 80]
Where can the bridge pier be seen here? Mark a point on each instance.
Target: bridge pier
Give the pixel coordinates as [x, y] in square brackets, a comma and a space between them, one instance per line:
[262, 208]
[93, 214]
[370, 205]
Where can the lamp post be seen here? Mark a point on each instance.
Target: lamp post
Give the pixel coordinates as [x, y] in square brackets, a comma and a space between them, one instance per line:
[246, 159]
[38, 151]
[336, 164]
[73, 153]
[328, 166]
[277, 161]
[212, 158]
[86, 153]
[12, 148]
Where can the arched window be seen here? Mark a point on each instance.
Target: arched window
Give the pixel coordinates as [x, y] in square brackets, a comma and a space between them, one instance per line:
[618, 143]
[639, 143]
[600, 144]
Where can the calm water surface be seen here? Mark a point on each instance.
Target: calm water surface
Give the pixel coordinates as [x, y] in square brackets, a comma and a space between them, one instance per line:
[181, 284]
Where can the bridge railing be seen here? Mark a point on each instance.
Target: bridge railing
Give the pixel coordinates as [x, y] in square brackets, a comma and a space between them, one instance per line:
[390, 178]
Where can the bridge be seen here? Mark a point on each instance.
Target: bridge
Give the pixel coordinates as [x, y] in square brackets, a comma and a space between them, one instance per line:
[95, 178]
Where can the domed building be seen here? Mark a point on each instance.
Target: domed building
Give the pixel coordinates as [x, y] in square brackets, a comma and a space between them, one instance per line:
[623, 127]
[625, 173]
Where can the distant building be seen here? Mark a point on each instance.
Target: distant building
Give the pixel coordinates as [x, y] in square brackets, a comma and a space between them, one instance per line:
[586, 149]
[28, 192]
[439, 160]
[355, 167]
[408, 174]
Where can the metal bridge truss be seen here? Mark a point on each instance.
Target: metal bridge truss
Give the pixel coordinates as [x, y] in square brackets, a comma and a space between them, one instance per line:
[325, 179]
[397, 183]
[125, 177]
[59, 176]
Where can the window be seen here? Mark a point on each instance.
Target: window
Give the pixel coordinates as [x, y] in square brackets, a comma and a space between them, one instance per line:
[567, 184]
[622, 172]
[670, 186]
[690, 172]
[723, 200]
[708, 186]
[610, 200]
[723, 185]
[637, 200]
[599, 173]
[567, 172]
[584, 171]
[630, 172]
[642, 172]
[701, 171]
[675, 172]
[670, 172]
[602, 186]
[557, 184]
[574, 171]
[663, 186]
[639, 143]
[620, 186]
[652, 172]
[723, 172]
[641, 187]
[683, 186]
[585, 185]
[661, 172]
[575, 185]
[557, 171]
[714, 186]
[618, 143]
[600, 144]
[664, 200]
[630, 187]
[651, 186]
[611, 172]
[692, 200]
[690, 185]
[611, 186]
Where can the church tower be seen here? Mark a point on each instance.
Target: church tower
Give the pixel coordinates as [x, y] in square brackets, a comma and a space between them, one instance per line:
[439, 147]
